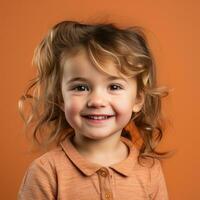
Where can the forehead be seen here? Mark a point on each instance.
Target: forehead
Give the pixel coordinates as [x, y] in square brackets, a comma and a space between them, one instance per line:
[81, 64]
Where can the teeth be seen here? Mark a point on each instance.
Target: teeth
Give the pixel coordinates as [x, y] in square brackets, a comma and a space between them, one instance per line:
[97, 117]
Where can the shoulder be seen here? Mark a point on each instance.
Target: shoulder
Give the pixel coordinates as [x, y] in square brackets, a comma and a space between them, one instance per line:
[49, 160]
[46, 158]
[152, 165]
[40, 179]
[43, 170]
[152, 172]
[149, 170]
[156, 170]
[158, 187]
[46, 164]
[42, 163]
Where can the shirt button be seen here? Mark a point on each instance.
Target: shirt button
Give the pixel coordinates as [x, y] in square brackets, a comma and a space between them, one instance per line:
[108, 195]
[103, 173]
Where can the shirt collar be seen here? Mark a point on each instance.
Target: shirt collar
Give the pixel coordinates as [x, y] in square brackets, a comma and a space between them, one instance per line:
[124, 167]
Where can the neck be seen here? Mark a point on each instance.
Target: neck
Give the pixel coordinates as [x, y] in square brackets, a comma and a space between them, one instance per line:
[105, 151]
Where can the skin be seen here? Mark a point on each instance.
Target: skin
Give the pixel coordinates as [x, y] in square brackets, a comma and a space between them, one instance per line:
[98, 142]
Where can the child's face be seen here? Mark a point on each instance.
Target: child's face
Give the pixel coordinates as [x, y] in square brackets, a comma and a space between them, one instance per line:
[87, 91]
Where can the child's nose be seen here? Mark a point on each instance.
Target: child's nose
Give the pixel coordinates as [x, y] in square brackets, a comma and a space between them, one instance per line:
[97, 99]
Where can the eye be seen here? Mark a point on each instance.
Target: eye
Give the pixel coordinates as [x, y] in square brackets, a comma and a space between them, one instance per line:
[80, 87]
[115, 87]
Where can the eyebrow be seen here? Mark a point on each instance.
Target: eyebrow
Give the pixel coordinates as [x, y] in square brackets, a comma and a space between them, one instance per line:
[110, 78]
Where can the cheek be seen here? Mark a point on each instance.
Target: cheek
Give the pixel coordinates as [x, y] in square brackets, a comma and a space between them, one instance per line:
[123, 109]
[124, 105]
[72, 108]
[124, 112]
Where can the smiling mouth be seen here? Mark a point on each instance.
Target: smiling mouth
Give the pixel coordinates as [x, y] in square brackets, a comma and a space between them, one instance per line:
[98, 117]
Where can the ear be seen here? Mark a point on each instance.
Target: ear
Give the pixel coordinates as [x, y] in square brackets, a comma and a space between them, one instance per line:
[139, 102]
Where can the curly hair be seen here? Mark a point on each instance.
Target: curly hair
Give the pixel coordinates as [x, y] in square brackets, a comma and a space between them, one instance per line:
[127, 47]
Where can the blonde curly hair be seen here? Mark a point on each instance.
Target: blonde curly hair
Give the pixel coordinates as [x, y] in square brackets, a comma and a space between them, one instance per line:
[127, 47]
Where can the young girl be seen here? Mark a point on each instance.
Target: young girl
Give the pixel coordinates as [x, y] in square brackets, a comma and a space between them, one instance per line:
[95, 96]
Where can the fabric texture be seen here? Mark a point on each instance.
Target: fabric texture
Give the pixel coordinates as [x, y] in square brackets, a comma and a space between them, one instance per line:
[64, 174]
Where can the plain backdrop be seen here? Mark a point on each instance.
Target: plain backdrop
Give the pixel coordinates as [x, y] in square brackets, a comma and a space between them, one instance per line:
[173, 30]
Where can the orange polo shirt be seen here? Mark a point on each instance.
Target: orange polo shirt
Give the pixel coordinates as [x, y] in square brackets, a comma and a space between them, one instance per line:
[64, 174]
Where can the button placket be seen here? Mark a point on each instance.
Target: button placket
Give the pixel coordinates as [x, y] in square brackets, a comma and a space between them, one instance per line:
[104, 178]
[95, 184]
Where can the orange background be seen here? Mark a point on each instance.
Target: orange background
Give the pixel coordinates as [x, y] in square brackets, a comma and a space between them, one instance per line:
[173, 32]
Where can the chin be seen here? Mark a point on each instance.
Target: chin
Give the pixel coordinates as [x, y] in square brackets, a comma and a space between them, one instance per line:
[97, 136]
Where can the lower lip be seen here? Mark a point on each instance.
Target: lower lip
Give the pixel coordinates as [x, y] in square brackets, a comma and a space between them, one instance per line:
[97, 121]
